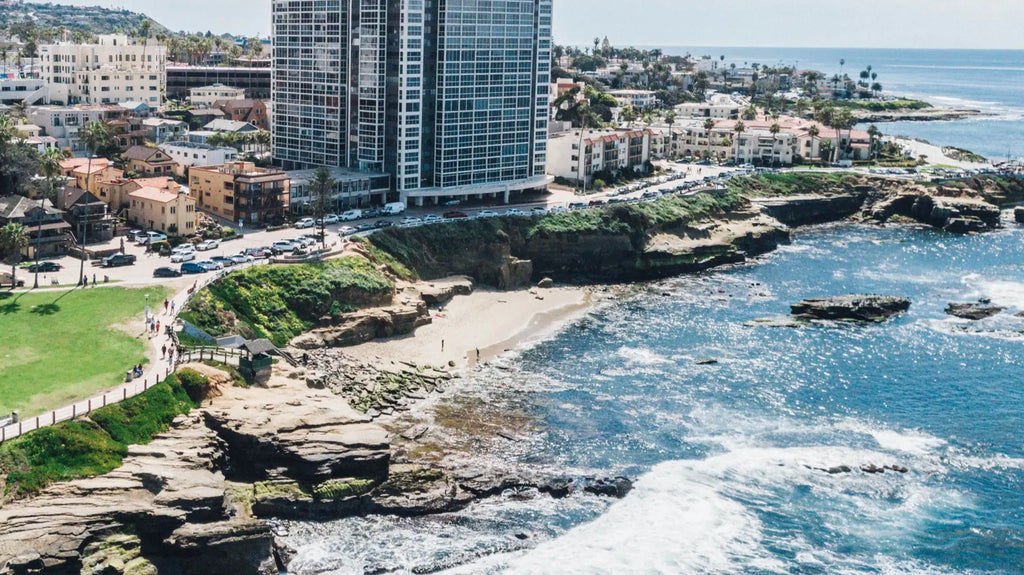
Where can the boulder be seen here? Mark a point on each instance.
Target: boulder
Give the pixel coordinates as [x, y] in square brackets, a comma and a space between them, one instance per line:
[973, 311]
[1018, 215]
[857, 308]
[546, 283]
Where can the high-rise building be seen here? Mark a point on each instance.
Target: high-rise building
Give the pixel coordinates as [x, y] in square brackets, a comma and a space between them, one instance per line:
[115, 69]
[449, 97]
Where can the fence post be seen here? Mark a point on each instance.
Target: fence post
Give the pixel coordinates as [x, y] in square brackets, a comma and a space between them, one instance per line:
[3, 434]
[37, 422]
[104, 400]
[89, 407]
[19, 428]
[73, 406]
[53, 420]
[124, 393]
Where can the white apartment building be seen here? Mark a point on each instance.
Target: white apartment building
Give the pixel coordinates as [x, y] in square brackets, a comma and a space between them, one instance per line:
[763, 148]
[116, 69]
[188, 154]
[206, 96]
[15, 90]
[635, 98]
[611, 150]
[717, 107]
[64, 123]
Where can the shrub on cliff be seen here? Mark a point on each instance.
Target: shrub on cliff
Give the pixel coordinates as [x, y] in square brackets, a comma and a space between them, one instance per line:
[83, 448]
[792, 183]
[281, 302]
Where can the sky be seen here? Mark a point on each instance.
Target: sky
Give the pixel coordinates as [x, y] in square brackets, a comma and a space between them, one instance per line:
[959, 24]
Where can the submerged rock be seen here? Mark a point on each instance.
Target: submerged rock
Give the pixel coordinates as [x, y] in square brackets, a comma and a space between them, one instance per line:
[973, 311]
[858, 308]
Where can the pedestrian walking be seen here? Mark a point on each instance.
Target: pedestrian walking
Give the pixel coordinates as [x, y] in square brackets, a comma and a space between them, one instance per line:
[172, 308]
[442, 345]
[93, 280]
[167, 305]
[158, 326]
[163, 351]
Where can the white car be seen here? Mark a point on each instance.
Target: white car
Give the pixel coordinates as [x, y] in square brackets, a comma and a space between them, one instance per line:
[410, 221]
[285, 246]
[486, 214]
[432, 219]
[514, 212]
[539, 211]
[347, 231]
[351, 215]
[208, 245]
[152, 237]
[183, 256]
[305, 223]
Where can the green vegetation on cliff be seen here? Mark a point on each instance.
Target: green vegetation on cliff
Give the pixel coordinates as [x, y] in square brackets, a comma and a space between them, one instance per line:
[281, 302]
[88, 447]
[897, 105]
[88, 20]
[792, 183]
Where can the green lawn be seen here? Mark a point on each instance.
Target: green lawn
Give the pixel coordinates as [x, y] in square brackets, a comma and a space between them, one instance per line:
[57, 347]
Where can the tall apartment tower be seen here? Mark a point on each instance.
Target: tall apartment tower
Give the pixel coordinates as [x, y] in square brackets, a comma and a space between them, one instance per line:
[449, 97]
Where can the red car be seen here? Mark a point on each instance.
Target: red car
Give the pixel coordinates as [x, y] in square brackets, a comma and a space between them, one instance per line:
[455, 215]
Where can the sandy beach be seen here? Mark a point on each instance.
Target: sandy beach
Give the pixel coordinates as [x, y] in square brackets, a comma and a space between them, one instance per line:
[491, 322]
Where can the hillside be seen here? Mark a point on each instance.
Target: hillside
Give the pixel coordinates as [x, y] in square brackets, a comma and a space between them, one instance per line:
[83, 19]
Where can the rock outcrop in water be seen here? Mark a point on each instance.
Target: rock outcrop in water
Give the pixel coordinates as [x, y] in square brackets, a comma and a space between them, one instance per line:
[973, 311]
[858, 308]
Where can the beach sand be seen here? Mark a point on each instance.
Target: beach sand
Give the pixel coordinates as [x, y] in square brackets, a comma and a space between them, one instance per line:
[492, 322]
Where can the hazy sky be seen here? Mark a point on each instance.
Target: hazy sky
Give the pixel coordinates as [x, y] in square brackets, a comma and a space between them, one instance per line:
[855, 24]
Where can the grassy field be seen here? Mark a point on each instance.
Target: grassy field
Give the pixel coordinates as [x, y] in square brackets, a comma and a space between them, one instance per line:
[57, 347]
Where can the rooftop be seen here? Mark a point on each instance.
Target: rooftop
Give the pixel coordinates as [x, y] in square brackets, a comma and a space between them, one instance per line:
[154, 195]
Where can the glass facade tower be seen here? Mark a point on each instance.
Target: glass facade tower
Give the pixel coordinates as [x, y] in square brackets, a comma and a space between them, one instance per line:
[450, 97]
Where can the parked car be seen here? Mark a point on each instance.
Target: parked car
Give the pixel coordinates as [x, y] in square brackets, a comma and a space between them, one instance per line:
[117, 260]
[371, 213]
[455, 214]
[393, 209]
[224, 261]
[5, 280]
[351, 215]
[135, 235]
[241, 258]
[166, 273]
[305, 223]
[432, 219]
[539, 211]
[332, 219]
[285, 246]
[192, 268]
[486, 214]
[514, 212]
[208, 245]
[256, 252]
[182, 256]
[347, 230]
[210, 265]
[44, 267]
[577, 205]
[453, 203]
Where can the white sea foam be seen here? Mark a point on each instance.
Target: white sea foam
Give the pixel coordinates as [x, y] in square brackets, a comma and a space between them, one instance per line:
[641, 356]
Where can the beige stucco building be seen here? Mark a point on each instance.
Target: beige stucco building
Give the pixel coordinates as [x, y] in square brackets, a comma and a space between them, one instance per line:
[241, 192]
[115, 69]
[171, 213]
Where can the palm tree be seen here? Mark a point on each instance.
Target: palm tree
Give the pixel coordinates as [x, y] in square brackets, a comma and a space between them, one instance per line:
[322, 186]
[709, 125]
[629, 116]
[95, 135]
[49, 165]
[826, 116]
[13, 239]
[143, 32]
[813, 133]
[670, 120]
[775, 128]
[874, 133]
[739, 128]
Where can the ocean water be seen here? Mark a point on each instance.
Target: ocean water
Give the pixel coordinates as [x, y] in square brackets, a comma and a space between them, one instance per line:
[987, 80]
[730, 458]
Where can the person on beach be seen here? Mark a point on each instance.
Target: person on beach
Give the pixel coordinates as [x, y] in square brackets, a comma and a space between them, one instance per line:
[478, 355]
[442, 345]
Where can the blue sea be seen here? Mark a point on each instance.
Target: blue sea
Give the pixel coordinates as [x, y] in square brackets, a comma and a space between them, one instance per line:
[987, 80]
[731, 458]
